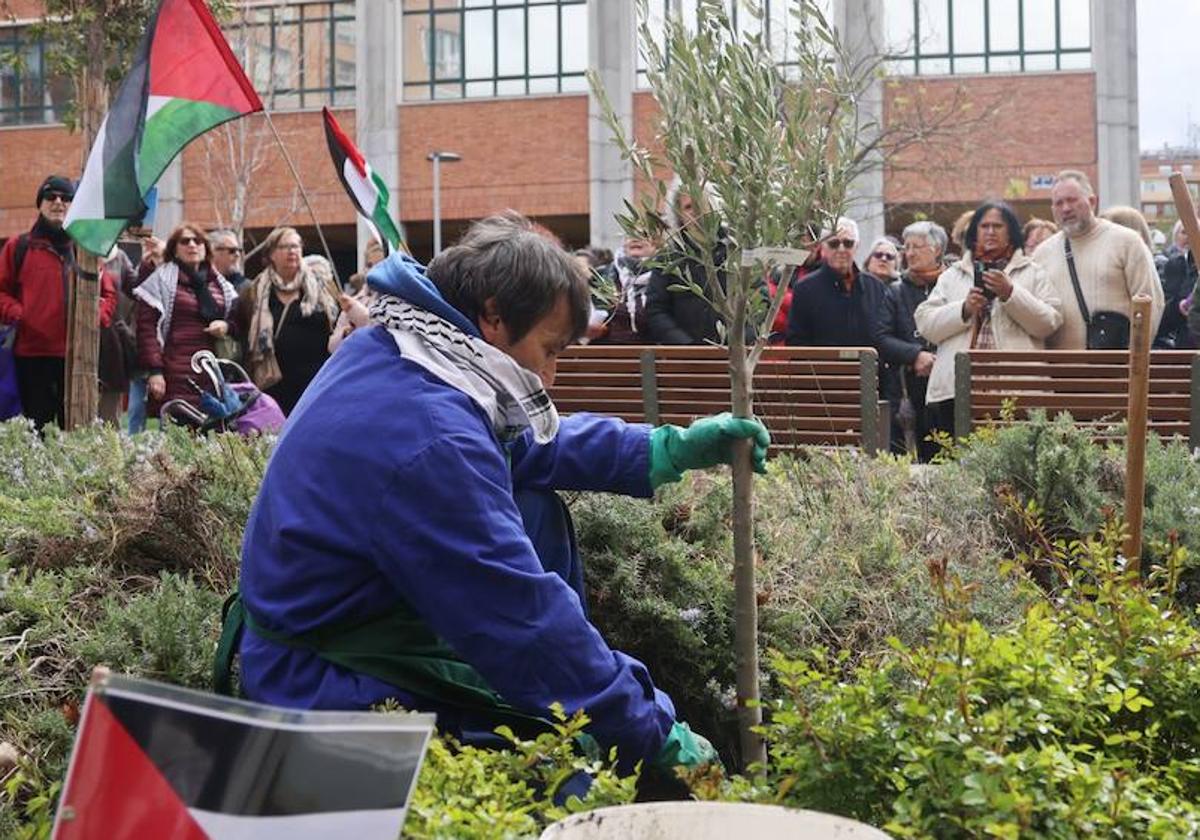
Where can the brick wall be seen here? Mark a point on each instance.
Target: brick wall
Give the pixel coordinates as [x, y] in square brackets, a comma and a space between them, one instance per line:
[27, 155]
[1008, 128]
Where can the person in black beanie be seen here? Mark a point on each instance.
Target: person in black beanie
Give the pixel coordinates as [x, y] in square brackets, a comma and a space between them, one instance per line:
[35, 272]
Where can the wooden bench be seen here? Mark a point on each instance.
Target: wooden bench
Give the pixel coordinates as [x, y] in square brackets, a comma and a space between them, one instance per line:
[825, 396]
[1093, 385]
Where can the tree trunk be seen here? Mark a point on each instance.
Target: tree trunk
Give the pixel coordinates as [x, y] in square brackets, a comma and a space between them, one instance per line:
[83, 333]
[745, 633]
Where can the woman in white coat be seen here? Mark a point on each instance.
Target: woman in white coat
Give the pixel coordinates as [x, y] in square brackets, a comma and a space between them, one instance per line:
[1008, 304]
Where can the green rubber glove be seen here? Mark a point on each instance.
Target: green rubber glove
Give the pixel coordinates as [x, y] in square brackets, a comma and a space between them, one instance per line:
[684, 748]
[705, 443]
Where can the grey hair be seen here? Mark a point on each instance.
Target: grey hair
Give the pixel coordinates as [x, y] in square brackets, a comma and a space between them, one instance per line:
[932, 231]
[1078, 177]
[220, 233]
[842, 223]
[883, 240]
[676, 191]
[320, 267]
[506, 259]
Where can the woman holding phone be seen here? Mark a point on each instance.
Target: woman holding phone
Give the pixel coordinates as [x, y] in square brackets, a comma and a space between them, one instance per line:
[995, 297]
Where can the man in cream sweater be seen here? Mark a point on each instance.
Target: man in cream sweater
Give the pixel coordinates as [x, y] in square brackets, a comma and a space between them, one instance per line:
[1112, 262]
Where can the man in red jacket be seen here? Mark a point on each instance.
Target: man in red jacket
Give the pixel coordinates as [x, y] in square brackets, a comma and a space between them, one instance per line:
[33, 295]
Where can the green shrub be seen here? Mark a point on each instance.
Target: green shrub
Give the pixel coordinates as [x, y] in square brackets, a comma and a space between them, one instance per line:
[1080, 720]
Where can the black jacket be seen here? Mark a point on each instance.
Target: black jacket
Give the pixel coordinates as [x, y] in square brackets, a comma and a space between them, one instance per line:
[898, 340]
[677, 316]
[1178, 280]
[824, 315]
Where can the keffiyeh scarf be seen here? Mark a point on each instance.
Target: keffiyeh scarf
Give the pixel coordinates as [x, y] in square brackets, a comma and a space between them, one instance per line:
[512, 396]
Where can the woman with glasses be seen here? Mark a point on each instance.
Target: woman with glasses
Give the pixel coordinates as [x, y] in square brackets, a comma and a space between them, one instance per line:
[182, 307]
[907, 356]
[287, 314]
[995, 297]
[837, 305]
[883, 260]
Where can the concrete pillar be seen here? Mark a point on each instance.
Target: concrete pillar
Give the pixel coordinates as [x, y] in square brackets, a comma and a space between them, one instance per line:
[377, 98]
[1114, 57]
[170, 199]
[860, 25]
[612, 52]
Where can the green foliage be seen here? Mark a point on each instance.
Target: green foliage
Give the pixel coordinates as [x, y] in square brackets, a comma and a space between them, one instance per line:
[1080, 720]
[467, 792]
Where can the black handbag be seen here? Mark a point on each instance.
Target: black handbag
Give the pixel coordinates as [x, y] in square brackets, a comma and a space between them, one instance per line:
[1105, 330]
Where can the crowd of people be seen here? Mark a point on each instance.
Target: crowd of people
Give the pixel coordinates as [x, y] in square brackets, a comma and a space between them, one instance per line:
[993, 282]
[187, 294]
[919, 299]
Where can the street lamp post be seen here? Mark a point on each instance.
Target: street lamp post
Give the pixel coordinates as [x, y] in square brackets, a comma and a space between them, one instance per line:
[437, 158]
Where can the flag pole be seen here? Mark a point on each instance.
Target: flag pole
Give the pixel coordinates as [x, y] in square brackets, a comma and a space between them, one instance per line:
[304, 195]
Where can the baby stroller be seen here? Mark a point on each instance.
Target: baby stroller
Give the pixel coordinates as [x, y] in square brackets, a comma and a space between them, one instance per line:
[234, 403]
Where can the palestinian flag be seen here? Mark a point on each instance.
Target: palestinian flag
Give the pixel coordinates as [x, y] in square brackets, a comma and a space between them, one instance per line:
[183, 82]
[363, 184]
[153, 760]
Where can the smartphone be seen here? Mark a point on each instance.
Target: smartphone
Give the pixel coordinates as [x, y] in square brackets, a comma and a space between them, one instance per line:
[980, 268]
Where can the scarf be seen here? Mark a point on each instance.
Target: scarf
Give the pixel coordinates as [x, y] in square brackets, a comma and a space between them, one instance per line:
[197, 281]
[262, 323]
[58, 238]
[633, 286]
[512, 397]
[158, 292]
[999, 257]
[924, 277]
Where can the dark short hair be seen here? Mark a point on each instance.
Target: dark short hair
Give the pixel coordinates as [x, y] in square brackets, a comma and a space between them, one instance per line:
[1015, 237]
[504, 257]
[173, 242]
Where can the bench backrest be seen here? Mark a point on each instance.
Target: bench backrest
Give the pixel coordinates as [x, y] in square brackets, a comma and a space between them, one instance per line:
[1093, 385]
[805, 395]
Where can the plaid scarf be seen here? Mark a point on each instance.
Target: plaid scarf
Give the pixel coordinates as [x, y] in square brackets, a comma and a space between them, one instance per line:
[511, 396]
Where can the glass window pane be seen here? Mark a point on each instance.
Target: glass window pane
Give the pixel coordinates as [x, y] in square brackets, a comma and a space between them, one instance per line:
[969, 65]
[1004, 64]
[510, 24]
[545, 85]
[1075, 17]
[1003, 22]
[478, 46]
[447, 46]
[417, 52]
[543, 40]
[416, 93]
[573, 84]
[935, 28]
[447, 91]
[968, 26]
[413, 5]
[487, 88]
[934, 66]
[897, 26]
[1039, 26]
[1076, 61]
[1040, 61]
[314, 66]
[510, 87]
[903, 67]
[574, 39]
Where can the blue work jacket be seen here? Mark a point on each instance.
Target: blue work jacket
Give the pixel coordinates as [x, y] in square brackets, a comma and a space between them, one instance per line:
[387, 483]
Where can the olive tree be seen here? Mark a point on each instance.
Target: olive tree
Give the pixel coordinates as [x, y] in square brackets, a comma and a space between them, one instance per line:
[766, 153]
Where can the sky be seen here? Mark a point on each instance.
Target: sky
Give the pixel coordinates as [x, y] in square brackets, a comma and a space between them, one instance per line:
[1168, 71]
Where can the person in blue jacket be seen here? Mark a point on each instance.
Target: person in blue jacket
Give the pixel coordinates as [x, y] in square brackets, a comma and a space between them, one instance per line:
[387, 554]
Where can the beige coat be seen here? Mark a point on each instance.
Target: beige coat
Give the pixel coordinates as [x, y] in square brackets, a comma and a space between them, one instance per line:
[1032, 312]
[1113, 264]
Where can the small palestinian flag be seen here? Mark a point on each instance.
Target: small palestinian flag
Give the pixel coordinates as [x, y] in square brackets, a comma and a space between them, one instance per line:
[363, 184]
[184, 81]
[153, 760]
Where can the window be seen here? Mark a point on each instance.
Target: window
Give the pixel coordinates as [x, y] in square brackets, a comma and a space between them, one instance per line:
[298, 55]
[937, 37]
[778, 26]
[29, 94]
[466, 48]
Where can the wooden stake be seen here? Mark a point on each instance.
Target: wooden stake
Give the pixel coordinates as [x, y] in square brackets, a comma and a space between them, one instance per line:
[1184, 207]
[1135, 447]
[82, 385]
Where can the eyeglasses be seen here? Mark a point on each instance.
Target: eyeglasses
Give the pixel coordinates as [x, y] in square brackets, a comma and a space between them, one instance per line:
[834, 244]
[232, 249]
[295, 246]
[57, 196]
[883, 255]
[190, 240]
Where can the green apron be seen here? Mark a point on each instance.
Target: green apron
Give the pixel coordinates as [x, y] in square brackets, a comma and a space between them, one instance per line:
[397, 647]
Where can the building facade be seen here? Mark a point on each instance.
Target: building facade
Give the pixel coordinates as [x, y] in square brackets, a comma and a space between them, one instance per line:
[1010, 91]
